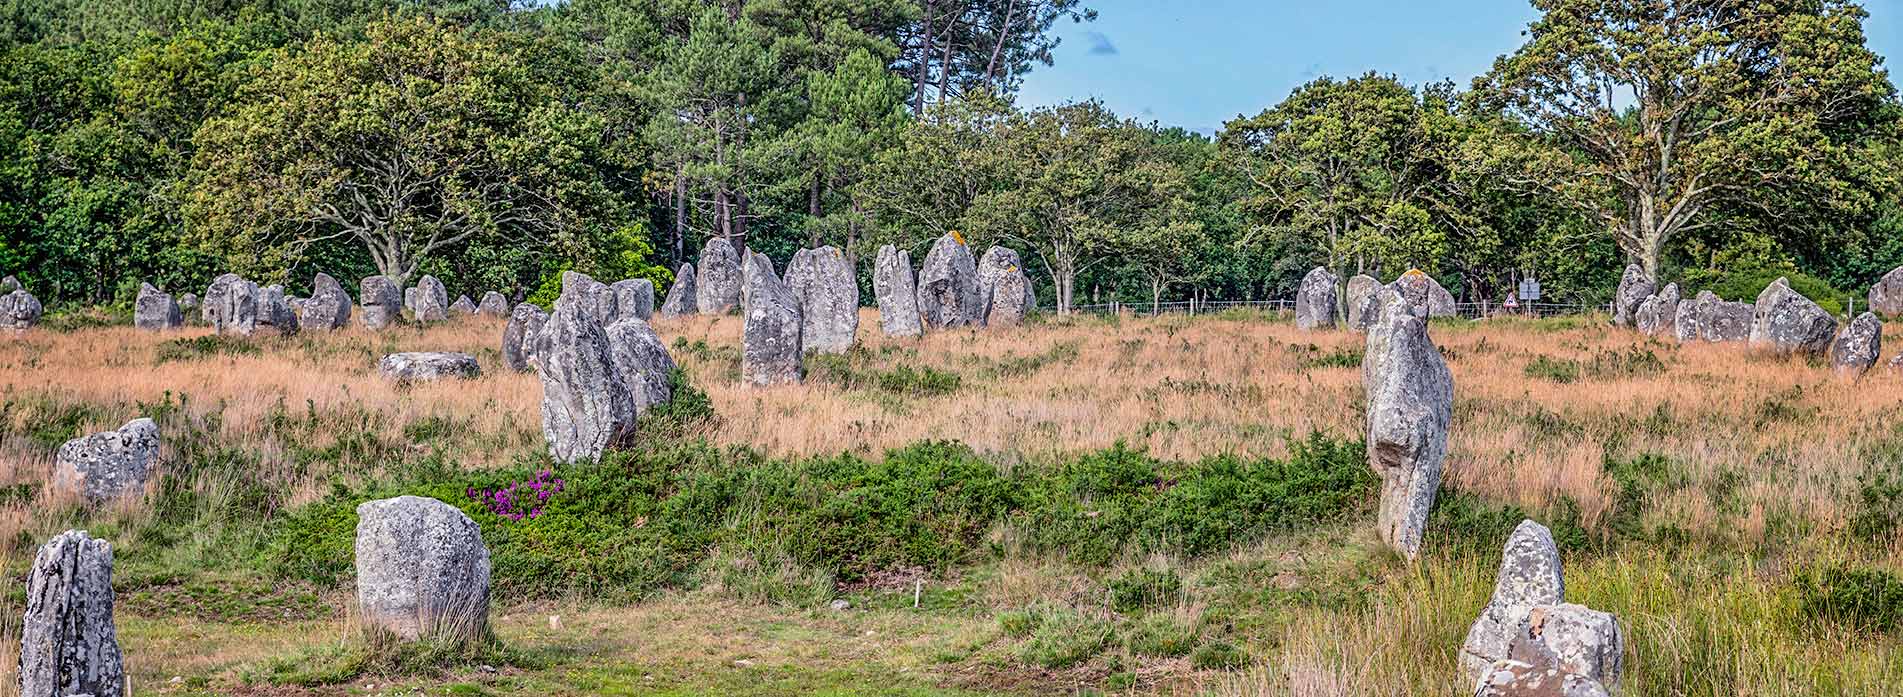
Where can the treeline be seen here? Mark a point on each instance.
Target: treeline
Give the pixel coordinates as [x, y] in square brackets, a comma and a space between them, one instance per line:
[495, 144]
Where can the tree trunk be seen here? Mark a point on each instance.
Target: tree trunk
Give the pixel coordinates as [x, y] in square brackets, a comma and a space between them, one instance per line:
[923, 70]
[680, 214]
[1156, 295]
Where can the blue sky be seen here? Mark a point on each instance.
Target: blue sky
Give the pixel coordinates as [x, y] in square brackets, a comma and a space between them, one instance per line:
[1198, 63]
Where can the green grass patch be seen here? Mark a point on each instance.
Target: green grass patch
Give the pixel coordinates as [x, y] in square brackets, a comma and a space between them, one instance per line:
[207, 346]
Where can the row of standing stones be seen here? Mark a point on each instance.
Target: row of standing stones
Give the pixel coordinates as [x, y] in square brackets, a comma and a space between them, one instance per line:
[233, 305]
[1528, 641]
[1781, 321]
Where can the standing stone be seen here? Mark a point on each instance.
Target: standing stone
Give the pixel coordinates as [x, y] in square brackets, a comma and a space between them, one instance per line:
[428, 366]
[717, 288]
[770, 351]
[1711, 319]
[1363, 301]
[1410, 403]
[1859, 346]
[68, 642]
[188, 302]
[1317, 303]
[896, 290]
[948, 294]
[642, 361]
[1886, 297]
[634, 299]
[1529, 577]
[586, 408]
[19, 310]
[594, 296]
[519, 337]
[463, 306]
[1657, 313]
[680, 298]
[494, 305]
[1634, 288]
[997, 264]
[155, 310]
[274, 310]
[231, 305]
[1012, 302]
[107, 465]
[828, 294]
[429, 300]
[1422, 291]
[9, 284]
[422, 570]
[328, 308]
[382, 301]
[1787, 322]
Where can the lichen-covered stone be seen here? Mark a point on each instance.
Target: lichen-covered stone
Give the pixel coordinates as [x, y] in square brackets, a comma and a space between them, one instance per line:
[1363, 301]
[1575, 639]
[275, 311]
[641, 359]
[681, 300]
[382, 301]
[593, 296]
[155, 310]
[1530, 577]
[717, 288]
[1410, 404]
[520, 336]
[429, 300]
[493, 305]
[1634, 288]
[1317, 302]
[634, 299]
[828, 294]
[896, 290]
[1425, 293]
[770, 342]
[231, 305]
[1003, 265]
[463, 307]
[1658, 312]
[69, 645]
[586, 408]
[1886, 296]
[111, 464]
[1708, 318]
[1858, 346]
[1786, 322]
[428, 366]
[422, 570]
[328, 308]
[948, 293]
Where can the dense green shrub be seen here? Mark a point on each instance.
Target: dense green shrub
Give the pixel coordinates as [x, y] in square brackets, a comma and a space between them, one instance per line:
[1140, 589]
[1745, 286]
[1859, 599]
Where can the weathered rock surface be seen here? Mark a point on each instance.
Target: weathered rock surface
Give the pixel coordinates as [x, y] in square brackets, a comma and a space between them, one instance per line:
[1785, 321]
[9, 284]
[1708, 318]
[68, 642]
[586, 408]
[642, 361]
[1576, 639]
[1002, 265]
[1520, 679]
[1363, 301]
[1658, 313]
[520, 336]
[634, 299]
[463, 307]
[1529, 577]
[1886, 297]
[231, 305]
[328, 308]
[1317, 302]
[275, 311]
[948, 293]
[107, 465]
[428, 366]
[681, 300]
[828, 294]
[592, 296]
[1410, 403]
[188, 302]
[1858, 346]
[719, 280]
[422, 569]
[770, 346]
[896, 290]
[154, 309]
[382, 301]
[1422, 291]
[428, 300]
[494, 305]
[1634, 288]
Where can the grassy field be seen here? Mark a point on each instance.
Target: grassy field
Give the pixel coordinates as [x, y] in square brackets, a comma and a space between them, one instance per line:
[1104, 505]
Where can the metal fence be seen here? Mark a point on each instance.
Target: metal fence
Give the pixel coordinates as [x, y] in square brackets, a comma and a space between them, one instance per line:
[1200, 307]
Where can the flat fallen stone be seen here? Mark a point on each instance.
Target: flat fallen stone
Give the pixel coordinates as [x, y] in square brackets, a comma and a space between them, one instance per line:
[428, 366]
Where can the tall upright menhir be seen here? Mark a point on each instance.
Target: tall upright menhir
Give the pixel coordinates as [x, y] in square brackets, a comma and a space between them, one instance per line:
[1410, 405]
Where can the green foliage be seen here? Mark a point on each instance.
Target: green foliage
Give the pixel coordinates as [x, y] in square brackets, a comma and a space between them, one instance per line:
[207, 346]
[1877, 510]
[1063, 637]
[1744, 286]
[1141, 589]
[1867, 600]
[1637, 481]
[1219, 655]
[850, 371]
[1161, 636]
[1558, 370]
